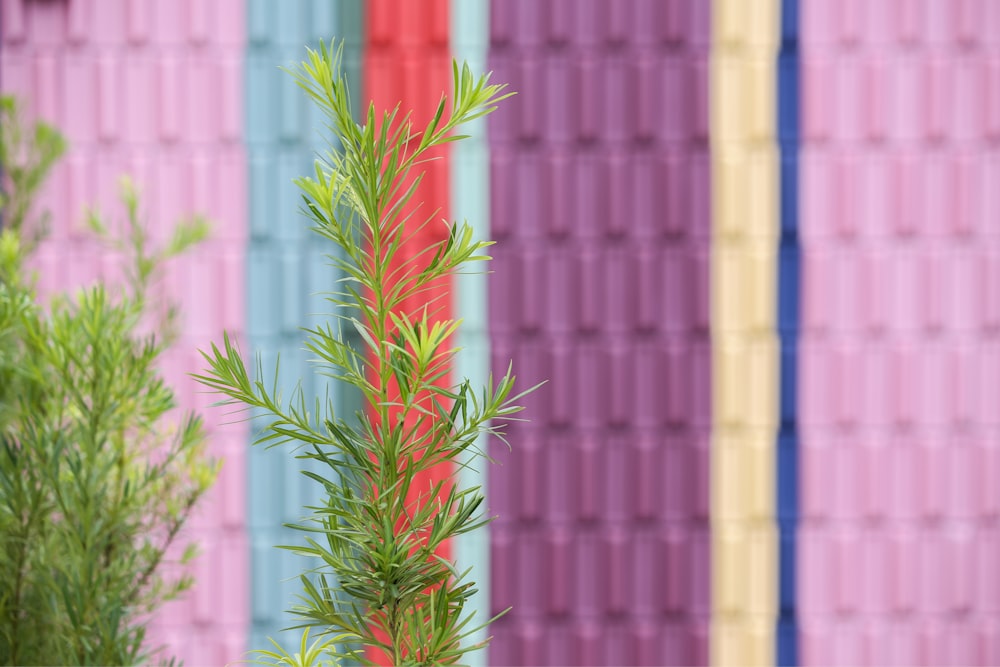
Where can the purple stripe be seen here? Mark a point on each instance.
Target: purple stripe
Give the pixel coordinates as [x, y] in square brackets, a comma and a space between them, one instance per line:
[600, 206]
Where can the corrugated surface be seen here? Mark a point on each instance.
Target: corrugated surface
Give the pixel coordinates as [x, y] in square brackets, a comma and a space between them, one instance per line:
[408, 62]
[286, 270]
[154, 90]
[600, 207]
[788, 329]
[470, 200]
[899, 544]
[744, 339]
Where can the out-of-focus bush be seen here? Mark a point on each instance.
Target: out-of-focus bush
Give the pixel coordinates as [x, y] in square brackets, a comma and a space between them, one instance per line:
[97, 473]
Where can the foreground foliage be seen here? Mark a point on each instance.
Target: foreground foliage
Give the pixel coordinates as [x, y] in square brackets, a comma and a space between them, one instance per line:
[377, 578]
[97, 477]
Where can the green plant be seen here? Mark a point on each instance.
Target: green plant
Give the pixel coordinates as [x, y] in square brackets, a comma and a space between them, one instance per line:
[377, 577]
[97, 477]
[321, 653]
[25, 159]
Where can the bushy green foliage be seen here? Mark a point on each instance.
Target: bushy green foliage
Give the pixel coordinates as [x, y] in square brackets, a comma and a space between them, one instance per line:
[377, 577]
[97, 475]
[26, 157]
[322, 652]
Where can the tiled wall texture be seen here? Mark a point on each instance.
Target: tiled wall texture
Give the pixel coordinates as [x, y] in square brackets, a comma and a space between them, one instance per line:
[745, 188]
[900, 356]
[154, 90]
[408, 63]
[600, 208]
[789, 278]
[286, 273]
[470, 200]
[833, 472]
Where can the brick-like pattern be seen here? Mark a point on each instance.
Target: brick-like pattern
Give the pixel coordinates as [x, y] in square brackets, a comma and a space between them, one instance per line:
[744, 336]
[470, 200]
[600, 209]
[408, 63]
[789, 280]
[286, 272]
[900, 356]
[154, 90]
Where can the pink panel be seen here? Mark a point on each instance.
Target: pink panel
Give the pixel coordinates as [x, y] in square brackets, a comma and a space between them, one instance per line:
[900, 355]
[154, 89]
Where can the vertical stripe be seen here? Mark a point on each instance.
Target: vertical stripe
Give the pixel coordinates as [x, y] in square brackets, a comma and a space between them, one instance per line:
[408, 63]
[899, 546]
[745, 343]
[788, 328]
[470, 200]
[600, 209]
[286, 270]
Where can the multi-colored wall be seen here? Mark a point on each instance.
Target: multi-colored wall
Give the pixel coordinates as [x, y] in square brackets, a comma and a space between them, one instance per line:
[751, 244]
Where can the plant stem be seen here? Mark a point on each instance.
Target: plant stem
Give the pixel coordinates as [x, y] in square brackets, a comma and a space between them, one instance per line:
[158, 556]
[395, 629]
[18, 592]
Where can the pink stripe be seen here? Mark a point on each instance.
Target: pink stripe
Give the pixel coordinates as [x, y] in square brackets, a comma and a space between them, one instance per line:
[155, 90]
[899, 360]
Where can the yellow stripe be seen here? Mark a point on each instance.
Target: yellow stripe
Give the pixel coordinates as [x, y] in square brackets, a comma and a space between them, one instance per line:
[745, 345]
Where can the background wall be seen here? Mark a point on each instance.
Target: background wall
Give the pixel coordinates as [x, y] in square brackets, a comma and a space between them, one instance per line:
[286, 270]
[745, 190]
[722, 468]
[898, 392]
[600, 208]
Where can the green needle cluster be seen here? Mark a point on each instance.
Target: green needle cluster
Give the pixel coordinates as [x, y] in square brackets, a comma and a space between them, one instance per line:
[375, 578]
[97, 474]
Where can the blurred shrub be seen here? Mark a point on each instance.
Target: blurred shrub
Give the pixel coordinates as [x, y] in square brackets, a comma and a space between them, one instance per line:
[97, 475]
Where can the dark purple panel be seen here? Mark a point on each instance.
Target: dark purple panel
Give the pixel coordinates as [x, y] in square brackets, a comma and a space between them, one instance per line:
[600, 206]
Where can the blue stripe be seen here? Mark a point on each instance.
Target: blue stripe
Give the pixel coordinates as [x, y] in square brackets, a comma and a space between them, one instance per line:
[788, 329]
[470, 200]
[285, 271]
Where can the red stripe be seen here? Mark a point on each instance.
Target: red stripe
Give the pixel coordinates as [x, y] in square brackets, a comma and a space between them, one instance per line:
[407, 62]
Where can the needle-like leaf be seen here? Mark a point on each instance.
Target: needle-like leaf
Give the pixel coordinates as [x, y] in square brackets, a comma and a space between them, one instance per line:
[382, 524]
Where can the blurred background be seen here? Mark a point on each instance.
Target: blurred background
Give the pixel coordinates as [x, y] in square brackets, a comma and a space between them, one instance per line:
[747, 242]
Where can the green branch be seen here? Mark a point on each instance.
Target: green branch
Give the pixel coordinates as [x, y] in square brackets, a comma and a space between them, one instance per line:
[381, 529]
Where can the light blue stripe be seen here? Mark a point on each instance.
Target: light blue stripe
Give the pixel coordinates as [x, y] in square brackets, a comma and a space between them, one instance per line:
[285, 270]
[470, 200]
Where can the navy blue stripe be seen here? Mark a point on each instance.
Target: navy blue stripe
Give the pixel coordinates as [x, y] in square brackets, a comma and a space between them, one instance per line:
[788, 329]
